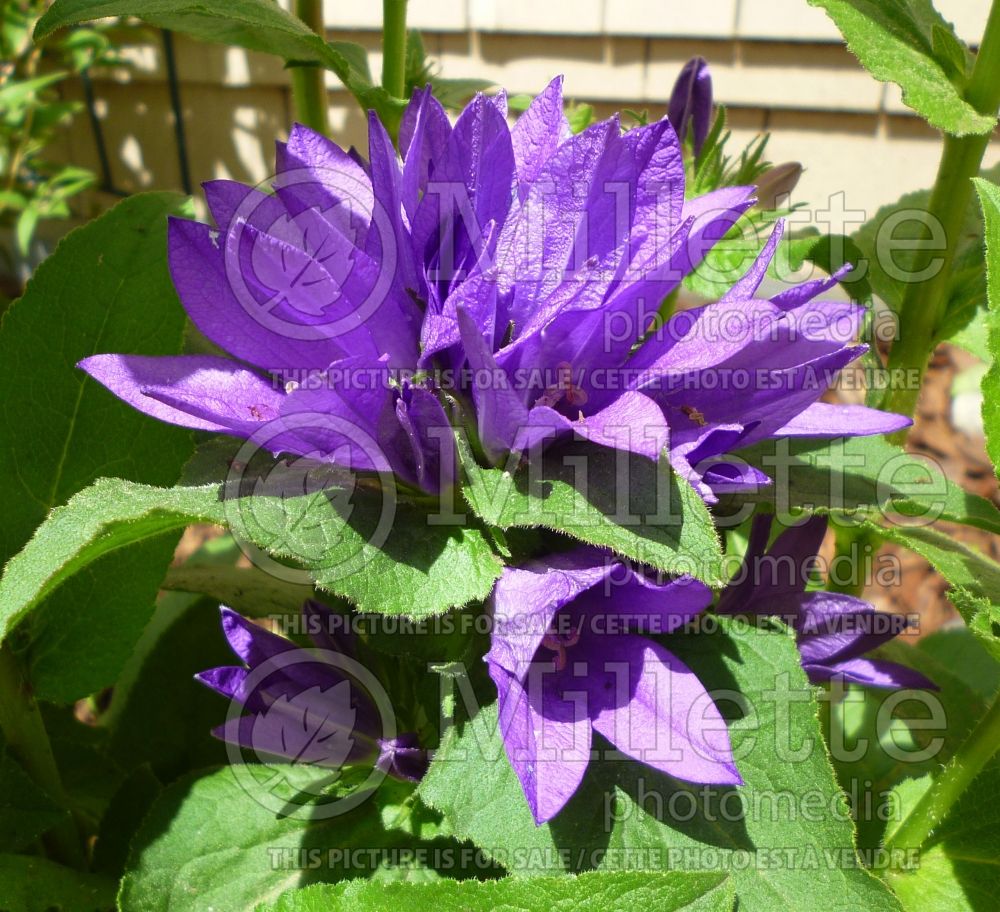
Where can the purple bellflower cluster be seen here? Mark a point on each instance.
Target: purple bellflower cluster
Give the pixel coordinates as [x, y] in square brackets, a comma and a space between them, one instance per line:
[300, 706]
[515, 272]
[515, 268]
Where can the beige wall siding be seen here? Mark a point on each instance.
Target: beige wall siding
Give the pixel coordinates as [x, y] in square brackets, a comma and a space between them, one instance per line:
[777, 64]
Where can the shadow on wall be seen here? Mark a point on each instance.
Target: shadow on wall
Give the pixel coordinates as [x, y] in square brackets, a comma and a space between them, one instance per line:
[229, 134]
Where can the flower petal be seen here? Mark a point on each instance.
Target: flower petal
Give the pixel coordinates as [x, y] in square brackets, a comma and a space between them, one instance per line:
[633, 422]
[196, 391]
[828, 419]
[315, 173]
[547, 741]
[423, 138]
[691, 102]
[832, 627]
[634, 602]
[870, 672]
[538, 132]
[233, 318]
[652, 707]
[526, 599]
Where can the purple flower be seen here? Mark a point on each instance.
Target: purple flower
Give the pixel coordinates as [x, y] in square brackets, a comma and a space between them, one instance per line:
[691, 102]
[833, 631]
[516, 268]
[550, 314]
[303, 707]
[568, 657]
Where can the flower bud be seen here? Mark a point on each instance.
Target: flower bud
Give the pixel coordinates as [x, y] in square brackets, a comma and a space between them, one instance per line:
[777, 182]
[691, 102]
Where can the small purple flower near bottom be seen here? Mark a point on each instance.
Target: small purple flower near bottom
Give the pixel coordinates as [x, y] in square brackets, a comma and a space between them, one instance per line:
[833, 631]
[568, 658]
[305, 711]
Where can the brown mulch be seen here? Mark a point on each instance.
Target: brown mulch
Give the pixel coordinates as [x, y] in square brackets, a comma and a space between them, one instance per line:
[962, 457]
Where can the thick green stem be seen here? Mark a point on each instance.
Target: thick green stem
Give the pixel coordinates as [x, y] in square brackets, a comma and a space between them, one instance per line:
[950, 783]
[924, 302]
[28, 741]
[852, 562]
[394, 47]
[308, 86]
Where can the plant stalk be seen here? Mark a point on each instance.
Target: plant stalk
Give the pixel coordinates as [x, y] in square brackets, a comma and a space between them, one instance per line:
[950, 783]
[28, 741]
[924, 303]
[394, 47]
[308, 86]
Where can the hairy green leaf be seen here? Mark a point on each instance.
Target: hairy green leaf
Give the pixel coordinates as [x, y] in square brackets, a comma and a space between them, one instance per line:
[875, 747]
[210, 842]
[604, 497]
[957, 870]
[908, 42]
[395, 562]
[26, 812]
[989, 199]
[669, 892]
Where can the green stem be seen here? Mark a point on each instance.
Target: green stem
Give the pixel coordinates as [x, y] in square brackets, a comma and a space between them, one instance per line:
[950, 783]
[27, 739]
[854, 549]
[308, 86]
[394, 47]
[924, 303]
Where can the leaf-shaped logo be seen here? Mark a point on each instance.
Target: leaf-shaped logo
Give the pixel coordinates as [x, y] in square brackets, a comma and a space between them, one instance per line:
[304, 260]
[313, 727]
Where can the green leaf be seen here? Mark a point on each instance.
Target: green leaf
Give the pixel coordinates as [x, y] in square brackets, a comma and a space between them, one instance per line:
[209, 843]
[256, 24]
[26, 812]
[27, 221]
[908, 42]
[983, 617]
[80, 638]
[627, 815]
[958, 869]
[419, 569]
[580, 116]
[22, 91]
[989, 199]
[453, 93]
[867, 476]
[731, 257]
[873, 747]
[259, 25]
[89, 777]
[356, 57]
[670, 892]
[950, 52]
[172, 736]
[610, 498]
[974, 578]
[959, 564]
[106, 288]
[33, 884]
[832, 251]
[886, 252]
[121, 820]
